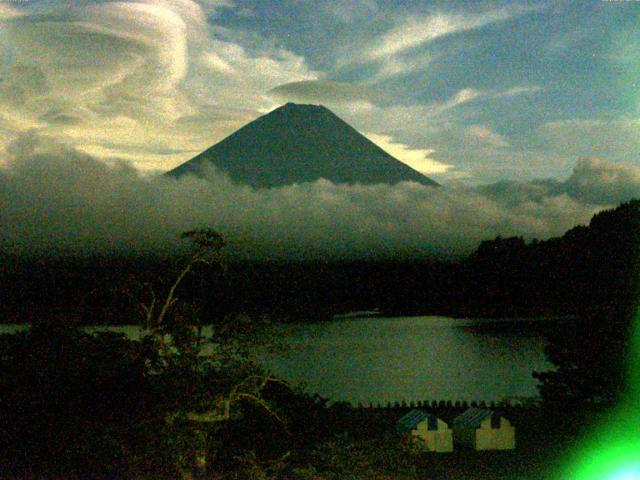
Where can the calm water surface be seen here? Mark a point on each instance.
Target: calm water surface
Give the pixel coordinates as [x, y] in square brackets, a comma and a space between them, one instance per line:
[402, 358]
[410, 358]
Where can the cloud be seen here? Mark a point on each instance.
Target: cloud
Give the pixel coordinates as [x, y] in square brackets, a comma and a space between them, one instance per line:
[421, 44]
[416, 158]
[400, 48]
[597, 182]
[8, 11]
[617, 138]
[108, 58]
[447, 126]
[467, 95]
[412, 32]
[21, 83]
[231, 76]
[155, 82]
[348, 11]
[395, 67]
[462, 96]
[424, 116]
[519, 90]
[483, 134]
[113, 77]
[592, 182]
[452, 127]
[56, 199]
[140, 47]
[322, 91]
[212, 6]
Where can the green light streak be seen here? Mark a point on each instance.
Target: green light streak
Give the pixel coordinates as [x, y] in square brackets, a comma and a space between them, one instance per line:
[612, 450]
[609, 457]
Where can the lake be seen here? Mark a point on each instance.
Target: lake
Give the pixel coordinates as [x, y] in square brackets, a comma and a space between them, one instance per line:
[382, 360]
[411, 358]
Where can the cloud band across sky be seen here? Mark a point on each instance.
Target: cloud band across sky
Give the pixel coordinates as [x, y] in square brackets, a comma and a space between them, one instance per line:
[58, 200]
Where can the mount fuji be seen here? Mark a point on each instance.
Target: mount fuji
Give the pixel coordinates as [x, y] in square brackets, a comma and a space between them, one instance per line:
[301, 143]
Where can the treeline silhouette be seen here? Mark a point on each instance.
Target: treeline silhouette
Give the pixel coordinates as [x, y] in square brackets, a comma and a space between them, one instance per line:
[504, 277]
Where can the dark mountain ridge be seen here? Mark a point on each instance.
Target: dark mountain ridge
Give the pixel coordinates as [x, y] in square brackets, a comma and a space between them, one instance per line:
[301, 143]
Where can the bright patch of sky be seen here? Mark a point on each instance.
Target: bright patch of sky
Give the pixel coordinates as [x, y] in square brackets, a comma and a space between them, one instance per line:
[480, 91]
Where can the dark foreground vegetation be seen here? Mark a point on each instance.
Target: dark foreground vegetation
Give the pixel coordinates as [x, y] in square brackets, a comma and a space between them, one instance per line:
[74, 405]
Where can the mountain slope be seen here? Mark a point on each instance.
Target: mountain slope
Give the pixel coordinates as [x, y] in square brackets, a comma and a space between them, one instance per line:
[301, 143]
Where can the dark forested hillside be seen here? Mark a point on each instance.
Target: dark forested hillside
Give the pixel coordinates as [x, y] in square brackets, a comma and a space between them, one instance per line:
[587, 266]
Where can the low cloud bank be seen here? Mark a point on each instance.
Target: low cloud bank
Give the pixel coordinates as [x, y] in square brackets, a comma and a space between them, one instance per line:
[56, 200]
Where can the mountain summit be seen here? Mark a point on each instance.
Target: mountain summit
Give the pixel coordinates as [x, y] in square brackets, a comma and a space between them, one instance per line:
[301, 143]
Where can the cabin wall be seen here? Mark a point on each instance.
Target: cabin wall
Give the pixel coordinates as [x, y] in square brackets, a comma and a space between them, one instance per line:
[440, 440]
[503, 438]
[436, 440]
[443, 441]
[497, 439]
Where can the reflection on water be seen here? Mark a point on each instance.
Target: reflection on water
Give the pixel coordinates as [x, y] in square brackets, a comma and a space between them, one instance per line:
[394, 359]
[417, 358]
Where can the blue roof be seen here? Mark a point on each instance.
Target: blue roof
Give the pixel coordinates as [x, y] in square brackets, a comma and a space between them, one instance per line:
[411, 420]
[472, 418]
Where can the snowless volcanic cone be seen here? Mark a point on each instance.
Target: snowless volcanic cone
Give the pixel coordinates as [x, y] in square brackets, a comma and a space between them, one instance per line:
[301, 143]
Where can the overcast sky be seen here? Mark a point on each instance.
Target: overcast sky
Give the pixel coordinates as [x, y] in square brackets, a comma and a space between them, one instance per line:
[479, 91]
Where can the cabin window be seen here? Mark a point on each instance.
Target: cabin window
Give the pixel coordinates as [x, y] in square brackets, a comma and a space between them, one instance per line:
[495, 421]
[433, 423]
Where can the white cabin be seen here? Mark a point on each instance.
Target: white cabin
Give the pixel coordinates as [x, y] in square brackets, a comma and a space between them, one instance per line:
[483, 429]
[435, 433]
